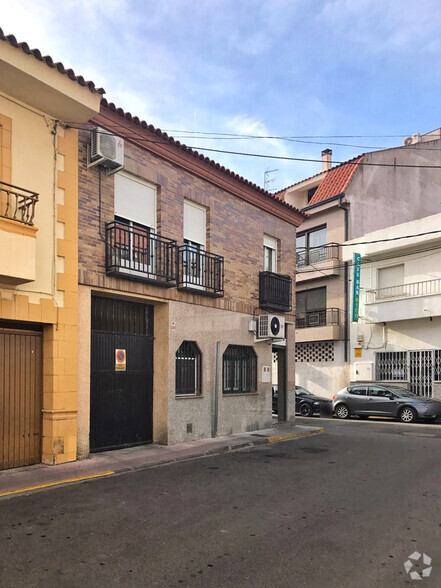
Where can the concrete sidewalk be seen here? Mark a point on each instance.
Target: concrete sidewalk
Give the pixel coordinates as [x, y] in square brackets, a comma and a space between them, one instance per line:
[38, 477]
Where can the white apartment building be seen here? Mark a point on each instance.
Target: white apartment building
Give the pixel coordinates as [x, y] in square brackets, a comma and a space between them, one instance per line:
[397, 337]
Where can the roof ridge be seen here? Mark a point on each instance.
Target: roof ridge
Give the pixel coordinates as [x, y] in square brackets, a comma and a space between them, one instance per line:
[11, 39]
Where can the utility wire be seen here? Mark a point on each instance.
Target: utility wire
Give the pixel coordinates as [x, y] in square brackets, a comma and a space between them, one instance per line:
[365, 261]
[298, 139]
[265, 156]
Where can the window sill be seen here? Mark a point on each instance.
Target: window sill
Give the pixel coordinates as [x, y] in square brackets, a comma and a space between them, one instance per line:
[230, 394]
[182, 396]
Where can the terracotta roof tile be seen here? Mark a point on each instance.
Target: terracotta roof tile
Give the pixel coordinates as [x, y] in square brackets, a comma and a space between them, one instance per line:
[336, 180]
[128, 116]
[50, 62]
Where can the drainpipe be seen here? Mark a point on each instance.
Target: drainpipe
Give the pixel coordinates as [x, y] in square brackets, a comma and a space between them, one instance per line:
[346, 295]
[216, 393]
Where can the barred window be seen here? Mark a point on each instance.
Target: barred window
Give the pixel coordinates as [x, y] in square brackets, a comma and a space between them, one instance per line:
[239, 369]
[188, 369]
[391, 366]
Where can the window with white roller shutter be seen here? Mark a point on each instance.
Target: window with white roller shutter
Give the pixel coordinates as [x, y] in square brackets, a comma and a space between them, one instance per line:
[135, 213]
[195, 223]
[195, 228]
[269, 254]
[135, 200]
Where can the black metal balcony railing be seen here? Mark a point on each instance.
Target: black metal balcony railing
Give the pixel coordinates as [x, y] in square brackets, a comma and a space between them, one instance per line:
[275, 292]
[140, 254]
[17, 204]
[321, 317]
[313, 255]
[200, 271]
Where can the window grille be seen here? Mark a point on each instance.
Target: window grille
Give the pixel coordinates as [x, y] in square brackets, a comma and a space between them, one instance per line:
[239, 369]
[188, 369]
[391, 366]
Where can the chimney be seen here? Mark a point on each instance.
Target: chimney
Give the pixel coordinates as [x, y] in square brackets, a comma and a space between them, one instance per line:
[326, 159]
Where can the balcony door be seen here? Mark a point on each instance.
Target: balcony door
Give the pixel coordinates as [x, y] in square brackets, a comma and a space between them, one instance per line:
[311, 308]
[135, 212]
[311, 247]
[135, 246]
[193, 258]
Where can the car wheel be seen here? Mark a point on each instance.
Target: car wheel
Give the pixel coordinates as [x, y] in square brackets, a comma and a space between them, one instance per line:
[363, 417]
[407, 415]
[305, 410]
[342, 411]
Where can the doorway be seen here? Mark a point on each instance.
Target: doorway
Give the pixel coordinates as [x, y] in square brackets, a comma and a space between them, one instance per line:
[121, 386]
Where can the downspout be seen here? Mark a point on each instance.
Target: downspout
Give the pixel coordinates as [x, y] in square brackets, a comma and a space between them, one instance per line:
[346, 280]
[215, 420]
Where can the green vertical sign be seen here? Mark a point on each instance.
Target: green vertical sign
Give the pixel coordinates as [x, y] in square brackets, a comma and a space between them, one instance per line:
[356, 291]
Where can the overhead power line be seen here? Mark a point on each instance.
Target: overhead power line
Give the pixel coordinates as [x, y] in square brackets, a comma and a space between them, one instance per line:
[200, 149]
[365, 261]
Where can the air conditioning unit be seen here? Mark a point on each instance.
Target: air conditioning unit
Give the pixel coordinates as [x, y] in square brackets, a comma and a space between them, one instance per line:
[314, 319]
[105, 150]
[412, 139]
[271, 326]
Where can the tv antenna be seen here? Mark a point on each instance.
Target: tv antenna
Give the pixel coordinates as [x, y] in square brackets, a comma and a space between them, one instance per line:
[266, 178]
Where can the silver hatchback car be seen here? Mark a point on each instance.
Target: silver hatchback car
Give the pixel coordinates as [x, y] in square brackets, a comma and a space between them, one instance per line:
[367, 400]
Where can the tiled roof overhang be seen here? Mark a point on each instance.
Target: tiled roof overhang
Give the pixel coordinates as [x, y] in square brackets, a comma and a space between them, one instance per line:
[50, 62]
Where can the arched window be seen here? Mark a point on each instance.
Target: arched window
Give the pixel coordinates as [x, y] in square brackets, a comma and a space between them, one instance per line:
[188, 369]
[239, 370]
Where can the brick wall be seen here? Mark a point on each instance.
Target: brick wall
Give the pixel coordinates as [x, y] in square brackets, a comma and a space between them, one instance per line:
[235, 228]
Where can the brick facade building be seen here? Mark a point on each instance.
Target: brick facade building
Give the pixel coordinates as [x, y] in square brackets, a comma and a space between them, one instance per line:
[171, 263]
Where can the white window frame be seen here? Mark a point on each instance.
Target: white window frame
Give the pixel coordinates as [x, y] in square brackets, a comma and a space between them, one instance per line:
[195, 240]
[269, 254]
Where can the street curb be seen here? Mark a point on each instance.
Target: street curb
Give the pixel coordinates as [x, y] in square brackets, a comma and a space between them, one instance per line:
[55, 483]
[230, 447]
[295, 435]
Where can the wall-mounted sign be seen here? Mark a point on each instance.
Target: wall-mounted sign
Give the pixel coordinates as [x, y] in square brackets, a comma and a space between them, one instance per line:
[120, 360]
[356, 291]
[357, 352]
[173, 327]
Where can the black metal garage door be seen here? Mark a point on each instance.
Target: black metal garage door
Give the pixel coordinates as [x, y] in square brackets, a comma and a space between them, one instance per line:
[121, 392]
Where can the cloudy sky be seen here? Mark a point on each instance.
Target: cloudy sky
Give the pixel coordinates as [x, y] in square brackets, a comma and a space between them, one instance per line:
[352, 75]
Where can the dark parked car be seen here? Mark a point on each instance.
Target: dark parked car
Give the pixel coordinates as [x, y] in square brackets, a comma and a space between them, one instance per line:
[308, 404]
[383, 400]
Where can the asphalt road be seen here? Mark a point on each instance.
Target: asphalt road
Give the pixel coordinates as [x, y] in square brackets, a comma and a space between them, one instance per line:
[345, 508]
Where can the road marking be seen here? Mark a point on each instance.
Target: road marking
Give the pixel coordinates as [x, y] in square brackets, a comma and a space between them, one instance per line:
[59, 482]
[294, 435]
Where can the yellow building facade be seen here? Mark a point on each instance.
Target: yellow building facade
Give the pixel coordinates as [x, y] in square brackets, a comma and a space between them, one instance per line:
[39, 254]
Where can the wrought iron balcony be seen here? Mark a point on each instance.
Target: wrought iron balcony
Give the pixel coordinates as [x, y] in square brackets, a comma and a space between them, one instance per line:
[139, 254]
[322, 317]
[275, 292]
[405, 291]
[17, 204]
[313, 255]
[200, 271]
